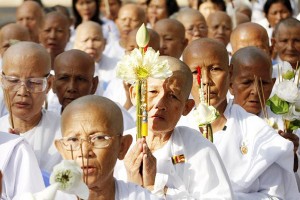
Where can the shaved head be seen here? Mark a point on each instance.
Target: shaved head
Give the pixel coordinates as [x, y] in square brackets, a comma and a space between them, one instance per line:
[201, 46]
[30, 14]
[96, 107]
[186, 13]
[180, 69]
[27, 51]
[86, 26]
[11, 33]
[249, 34]
[247, 57]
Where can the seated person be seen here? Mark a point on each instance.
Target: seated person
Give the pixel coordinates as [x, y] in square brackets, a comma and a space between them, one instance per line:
[74, 78]
[193, 22]
[26, 81]
[265, 159]
[19, 168]
[93, 126]
[172, 37]
[199, 172]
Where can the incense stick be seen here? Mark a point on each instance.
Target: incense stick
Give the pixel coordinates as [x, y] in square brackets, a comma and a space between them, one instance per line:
[278, 73]
[208, 95]
[82, 162]
[263, 98]
[87, 165]
[6, 96]
[72, 155]
[259, 97]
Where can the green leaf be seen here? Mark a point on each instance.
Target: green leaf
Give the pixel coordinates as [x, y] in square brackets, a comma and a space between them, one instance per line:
[277, 105]
[294, 125]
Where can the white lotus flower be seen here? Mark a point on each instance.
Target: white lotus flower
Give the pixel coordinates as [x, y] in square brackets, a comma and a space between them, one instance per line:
[205, 114]
[287, 91]
[68, 175]
[287, 70]
[137, 66]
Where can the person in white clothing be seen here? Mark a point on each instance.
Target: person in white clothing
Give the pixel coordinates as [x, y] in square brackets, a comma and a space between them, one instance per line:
[25, 82]
[177, 163]
[265, 159]
[19, 168]
[92, 128]
[130, 16]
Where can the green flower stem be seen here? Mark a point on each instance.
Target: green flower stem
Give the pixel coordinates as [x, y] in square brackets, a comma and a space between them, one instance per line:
[138, 109]
[210, 133]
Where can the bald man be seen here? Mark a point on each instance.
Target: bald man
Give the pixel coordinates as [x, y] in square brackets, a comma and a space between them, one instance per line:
[74, 78]
[172, 37]
[55, 33]
[219, 26]
[89, 38]
[30, 15]
[193, 22]
[240, 136]
[250, 34]
[130, 16]
[186, 177]
[99, 120]
[25, 81]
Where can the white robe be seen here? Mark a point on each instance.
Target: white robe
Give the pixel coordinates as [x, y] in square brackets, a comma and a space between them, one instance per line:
[3, 110]
[41, 139]
[114, 50]
[201, 176]
[19, 167]
[266, 170]
[124, 191]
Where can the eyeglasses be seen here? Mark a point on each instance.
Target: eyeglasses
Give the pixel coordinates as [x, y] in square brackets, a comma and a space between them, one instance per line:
[33, 85]
[98, 141]
[199, 28]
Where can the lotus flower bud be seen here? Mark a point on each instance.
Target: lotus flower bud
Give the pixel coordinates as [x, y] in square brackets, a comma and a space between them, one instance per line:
[142, 36]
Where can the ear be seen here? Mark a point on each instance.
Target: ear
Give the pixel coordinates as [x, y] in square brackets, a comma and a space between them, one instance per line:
[49, 83]
[126, 141]
[132, 94]
[189, 105]
[60, 149]
[184, 43]
[95, 82]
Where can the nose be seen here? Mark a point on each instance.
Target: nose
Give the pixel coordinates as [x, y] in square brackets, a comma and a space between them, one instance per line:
[89, 43]
[254, 88]
[206, 79]
[22, 90]
[221, 30]
[87, 148]
[71, 86]
[52, 34]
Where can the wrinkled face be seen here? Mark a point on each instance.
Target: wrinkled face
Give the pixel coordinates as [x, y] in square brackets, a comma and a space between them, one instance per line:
[84, 124]
[166, 103]
[157, 9]
[219, 28]
[25, 104]
[27, 17]
[243, 86]
[130, 43]
[251, 38]
[172, 43]
[195, 27]
[72, 80]
[86, 9]
[128, 19]
[288, 44]
[214, 73]
[277, 12]
[114, 8]
[206, 8]
[90, 41]
[55, 34]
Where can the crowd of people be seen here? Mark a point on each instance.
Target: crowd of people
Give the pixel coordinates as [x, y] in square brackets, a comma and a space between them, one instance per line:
[61, 99]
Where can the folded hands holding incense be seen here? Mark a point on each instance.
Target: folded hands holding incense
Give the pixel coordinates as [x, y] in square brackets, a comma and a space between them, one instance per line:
[141, 165]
